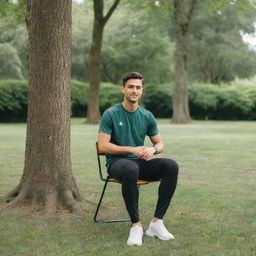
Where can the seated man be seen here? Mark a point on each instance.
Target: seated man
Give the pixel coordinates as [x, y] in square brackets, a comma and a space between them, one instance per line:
[122, 132]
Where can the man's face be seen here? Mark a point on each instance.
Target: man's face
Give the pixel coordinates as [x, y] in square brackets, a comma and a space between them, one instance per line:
[132, 90]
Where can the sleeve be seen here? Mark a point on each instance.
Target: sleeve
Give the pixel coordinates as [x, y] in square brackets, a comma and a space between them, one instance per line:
[106, 123]
[152, 126]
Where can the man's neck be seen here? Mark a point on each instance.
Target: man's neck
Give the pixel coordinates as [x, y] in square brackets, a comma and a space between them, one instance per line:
[131, 107]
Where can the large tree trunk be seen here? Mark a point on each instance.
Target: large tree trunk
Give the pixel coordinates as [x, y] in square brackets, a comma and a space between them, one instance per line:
[93, 109]
[47, 175]
[183, 14]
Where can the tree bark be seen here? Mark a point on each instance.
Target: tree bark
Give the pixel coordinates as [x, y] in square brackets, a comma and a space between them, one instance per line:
[47, 175]
[93, 110]
[182, 17]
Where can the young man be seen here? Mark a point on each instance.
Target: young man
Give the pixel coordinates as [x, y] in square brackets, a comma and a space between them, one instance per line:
[122, 132]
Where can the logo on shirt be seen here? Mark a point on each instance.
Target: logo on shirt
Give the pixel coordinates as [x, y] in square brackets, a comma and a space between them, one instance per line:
[120, 123]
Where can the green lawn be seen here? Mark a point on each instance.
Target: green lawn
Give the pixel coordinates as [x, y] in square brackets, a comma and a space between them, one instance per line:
[213, 211]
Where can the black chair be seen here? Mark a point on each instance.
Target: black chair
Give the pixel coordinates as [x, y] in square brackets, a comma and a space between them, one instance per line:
[108, 179]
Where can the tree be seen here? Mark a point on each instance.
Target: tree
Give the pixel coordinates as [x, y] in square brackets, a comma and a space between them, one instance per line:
[93, 112]
[82, 21]
[138, 43]
[183, 11]
[180, 13]
[47, 175]
[228, 55]
[139, 38]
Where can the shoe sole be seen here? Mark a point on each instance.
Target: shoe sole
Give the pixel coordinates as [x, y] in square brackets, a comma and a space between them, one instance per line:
[149, 233]
[135, 244]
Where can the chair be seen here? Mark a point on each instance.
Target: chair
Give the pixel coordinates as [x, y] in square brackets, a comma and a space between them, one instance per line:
[107, 180]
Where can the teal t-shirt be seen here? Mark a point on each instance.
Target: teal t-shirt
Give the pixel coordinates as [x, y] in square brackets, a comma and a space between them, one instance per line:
[127, 128]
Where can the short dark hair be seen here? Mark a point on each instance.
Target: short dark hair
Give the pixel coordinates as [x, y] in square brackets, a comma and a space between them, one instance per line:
[133, 75]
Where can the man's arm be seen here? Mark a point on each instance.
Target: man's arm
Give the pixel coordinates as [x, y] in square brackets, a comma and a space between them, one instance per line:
[158, 143]
[106, 147]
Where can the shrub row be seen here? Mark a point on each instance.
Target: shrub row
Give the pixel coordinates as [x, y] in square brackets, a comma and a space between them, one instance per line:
[14, 98]
[206, 101]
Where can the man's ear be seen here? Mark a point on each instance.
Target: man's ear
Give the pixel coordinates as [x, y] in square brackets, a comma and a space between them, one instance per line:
[122, 89]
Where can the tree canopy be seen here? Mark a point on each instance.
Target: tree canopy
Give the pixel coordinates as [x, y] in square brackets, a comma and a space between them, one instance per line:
[140, 35]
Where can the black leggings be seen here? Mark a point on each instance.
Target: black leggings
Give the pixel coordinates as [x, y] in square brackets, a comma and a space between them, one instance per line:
[128, 171]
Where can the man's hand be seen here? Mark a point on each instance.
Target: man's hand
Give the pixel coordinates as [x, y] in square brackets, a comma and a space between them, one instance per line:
[145, 153]
[138, 151]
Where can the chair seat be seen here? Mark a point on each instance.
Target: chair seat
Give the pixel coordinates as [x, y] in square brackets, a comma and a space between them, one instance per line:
[139, 182]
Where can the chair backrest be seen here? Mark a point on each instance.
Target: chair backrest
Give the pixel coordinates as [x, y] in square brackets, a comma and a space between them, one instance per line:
[99, 162]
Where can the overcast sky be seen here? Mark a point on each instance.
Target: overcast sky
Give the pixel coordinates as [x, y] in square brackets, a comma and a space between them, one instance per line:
[78, 1]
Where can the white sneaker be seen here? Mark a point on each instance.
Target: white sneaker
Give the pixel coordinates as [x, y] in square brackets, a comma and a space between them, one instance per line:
[135, 236]
[159, 230]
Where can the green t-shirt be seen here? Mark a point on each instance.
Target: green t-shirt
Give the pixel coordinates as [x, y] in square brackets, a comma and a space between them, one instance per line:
[127, 128]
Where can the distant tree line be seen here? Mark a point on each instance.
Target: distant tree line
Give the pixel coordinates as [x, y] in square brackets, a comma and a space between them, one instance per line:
[194, 41]
[142, 42]
[225, 102]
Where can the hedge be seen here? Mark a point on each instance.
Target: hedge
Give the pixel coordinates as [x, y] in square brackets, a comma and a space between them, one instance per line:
[206, 101]
[13, 100]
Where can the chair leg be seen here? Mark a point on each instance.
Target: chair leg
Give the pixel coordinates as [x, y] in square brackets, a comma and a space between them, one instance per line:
[98, 207]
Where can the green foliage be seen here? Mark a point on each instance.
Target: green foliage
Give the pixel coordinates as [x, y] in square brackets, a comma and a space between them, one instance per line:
[132, 41]
[16, 11]
[82, 20]
[10, 64]
[202, 100]
[110, 95]
[136, 43]
[140, 36]
[206, 101]
[217, 52]
[79, 92]
[13, 100]
[233, 104]
[15, 36]
[158, 100]
[222, 102]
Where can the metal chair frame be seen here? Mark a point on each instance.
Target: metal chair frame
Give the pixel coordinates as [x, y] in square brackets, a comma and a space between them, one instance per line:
[107, 180]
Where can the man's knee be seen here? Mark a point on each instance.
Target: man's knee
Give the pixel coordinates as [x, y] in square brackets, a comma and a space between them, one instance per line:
[130, 174]
[170, 167]
[128, 170]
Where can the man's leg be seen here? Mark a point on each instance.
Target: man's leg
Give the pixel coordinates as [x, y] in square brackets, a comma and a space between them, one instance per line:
[167, 171]
[127, 171]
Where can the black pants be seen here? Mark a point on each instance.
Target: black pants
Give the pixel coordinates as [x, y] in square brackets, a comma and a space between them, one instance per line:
[128, 171]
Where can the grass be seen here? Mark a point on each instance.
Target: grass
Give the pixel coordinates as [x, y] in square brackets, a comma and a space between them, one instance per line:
[213, 211]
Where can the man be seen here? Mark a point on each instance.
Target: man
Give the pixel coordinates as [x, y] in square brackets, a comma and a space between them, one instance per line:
[122, 132]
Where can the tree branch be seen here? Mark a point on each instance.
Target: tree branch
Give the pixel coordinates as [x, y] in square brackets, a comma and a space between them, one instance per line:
[110, 11]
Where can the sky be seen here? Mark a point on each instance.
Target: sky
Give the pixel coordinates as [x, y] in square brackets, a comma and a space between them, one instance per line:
[250, 39]
[78, 1]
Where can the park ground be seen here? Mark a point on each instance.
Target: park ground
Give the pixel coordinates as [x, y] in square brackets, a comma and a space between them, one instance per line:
[212, 213]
